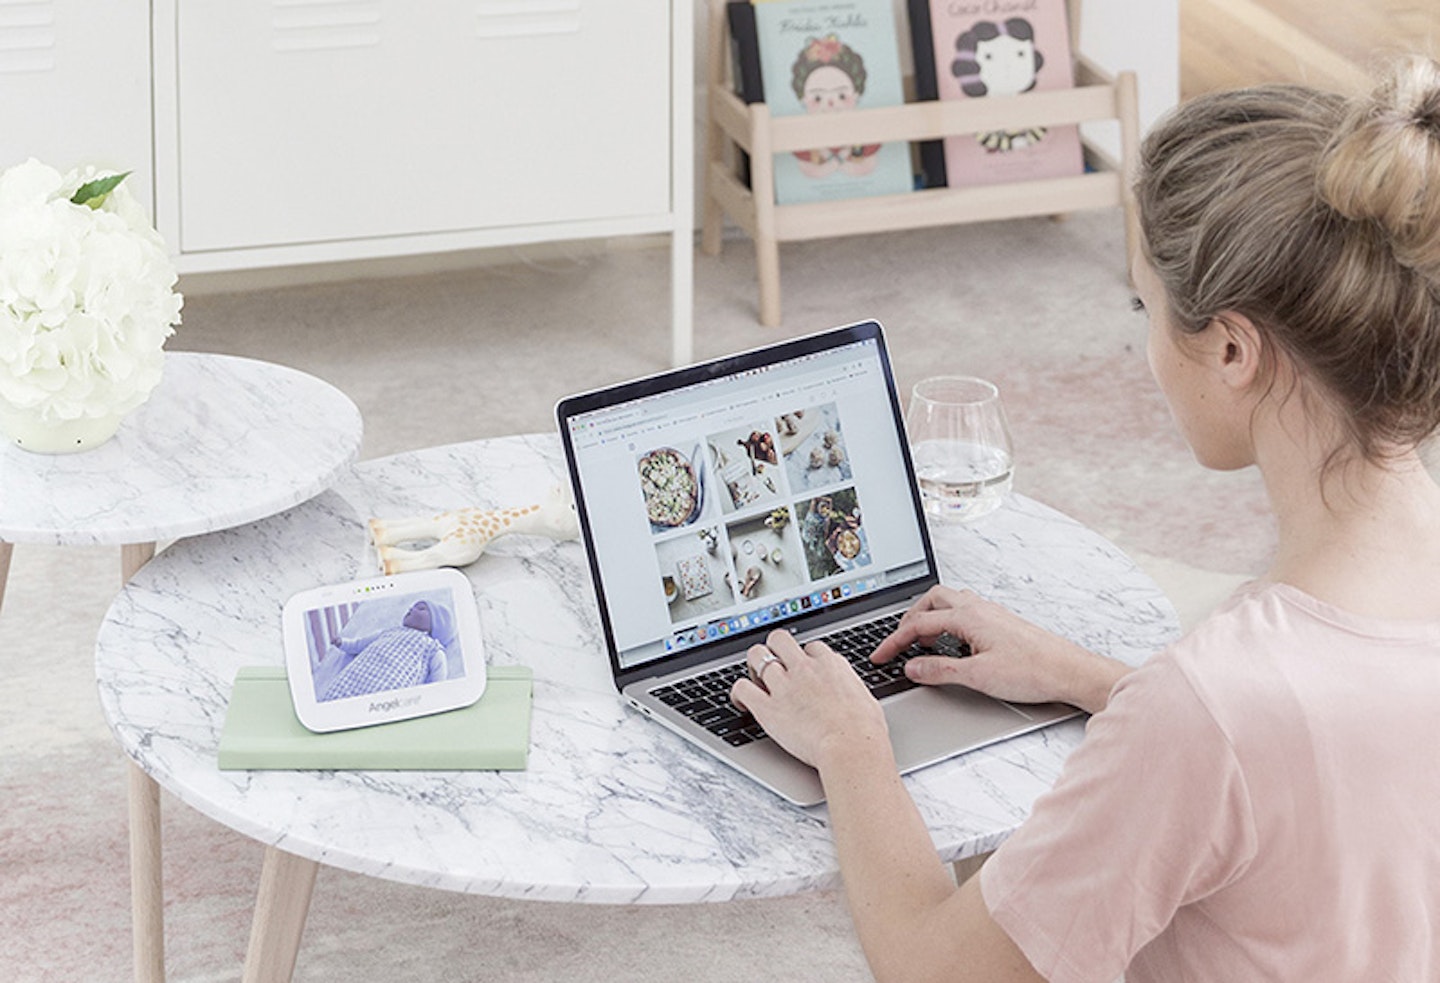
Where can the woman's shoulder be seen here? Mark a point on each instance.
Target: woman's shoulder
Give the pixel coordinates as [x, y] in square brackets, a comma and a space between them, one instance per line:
[1267, 620]
[1240, 641]
[1217, 672]
[1271, 653]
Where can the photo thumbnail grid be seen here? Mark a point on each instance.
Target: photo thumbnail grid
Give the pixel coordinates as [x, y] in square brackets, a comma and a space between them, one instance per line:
[752, 513]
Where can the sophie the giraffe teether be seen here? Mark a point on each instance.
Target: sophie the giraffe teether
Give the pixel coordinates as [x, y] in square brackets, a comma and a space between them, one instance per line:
[461, 535]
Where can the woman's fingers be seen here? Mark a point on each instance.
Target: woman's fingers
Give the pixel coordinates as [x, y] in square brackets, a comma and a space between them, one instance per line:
[747, 694]
[921, 626]
[941, 670]
[783, 644]
[762, 664]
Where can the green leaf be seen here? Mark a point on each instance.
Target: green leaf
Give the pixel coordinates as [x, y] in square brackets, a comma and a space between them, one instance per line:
[94, 192]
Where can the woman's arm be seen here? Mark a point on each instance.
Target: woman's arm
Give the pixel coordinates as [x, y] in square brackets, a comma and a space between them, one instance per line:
[1012, 660]
[913, 923]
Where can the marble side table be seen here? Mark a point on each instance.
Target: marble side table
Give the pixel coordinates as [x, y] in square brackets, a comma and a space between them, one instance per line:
[612, 808]
[222, 441]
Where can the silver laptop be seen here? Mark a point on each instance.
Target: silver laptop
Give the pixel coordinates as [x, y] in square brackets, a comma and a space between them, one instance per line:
[770, 489]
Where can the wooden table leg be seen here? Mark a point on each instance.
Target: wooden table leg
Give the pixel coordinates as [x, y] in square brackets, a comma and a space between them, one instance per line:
[286, 883]
[133, 556]
[147, 886]
[146, 889]
[5, 551]
[968, 867]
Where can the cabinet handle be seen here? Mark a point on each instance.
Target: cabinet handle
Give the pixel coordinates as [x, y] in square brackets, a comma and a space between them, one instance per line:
[27, 38]
[524, 18]
[318, 25]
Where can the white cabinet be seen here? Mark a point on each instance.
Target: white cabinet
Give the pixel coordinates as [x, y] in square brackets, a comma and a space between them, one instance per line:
[75, 86]
[294, 131]
[352, 119]
[302, 131]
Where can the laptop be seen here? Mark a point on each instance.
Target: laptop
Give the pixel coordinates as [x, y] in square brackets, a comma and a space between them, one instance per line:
[769, 489]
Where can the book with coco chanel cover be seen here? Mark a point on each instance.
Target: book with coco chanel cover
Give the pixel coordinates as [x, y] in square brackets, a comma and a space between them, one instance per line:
[970, 49]
[833, 56]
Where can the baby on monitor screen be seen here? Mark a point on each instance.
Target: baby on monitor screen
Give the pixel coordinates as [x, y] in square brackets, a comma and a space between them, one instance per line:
[388, 657]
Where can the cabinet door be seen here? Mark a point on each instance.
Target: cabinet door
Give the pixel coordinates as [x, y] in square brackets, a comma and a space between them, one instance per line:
[75, 86]
[307, 121]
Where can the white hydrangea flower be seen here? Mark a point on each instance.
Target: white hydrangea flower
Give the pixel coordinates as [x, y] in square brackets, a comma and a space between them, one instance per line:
[87, 297]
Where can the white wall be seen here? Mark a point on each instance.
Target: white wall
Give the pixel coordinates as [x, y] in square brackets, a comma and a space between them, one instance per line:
[1145, 37]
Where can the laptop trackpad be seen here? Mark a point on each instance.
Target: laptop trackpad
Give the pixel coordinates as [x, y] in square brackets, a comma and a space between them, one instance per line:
[929, 724]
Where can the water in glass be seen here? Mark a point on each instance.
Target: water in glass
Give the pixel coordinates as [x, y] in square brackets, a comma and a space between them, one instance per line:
[960, 442]
[961, 480]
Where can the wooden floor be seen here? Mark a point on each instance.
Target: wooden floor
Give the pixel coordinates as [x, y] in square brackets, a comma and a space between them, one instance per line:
[1329, 43]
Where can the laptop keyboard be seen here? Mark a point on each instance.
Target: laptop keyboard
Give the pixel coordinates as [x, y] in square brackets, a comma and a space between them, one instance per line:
[705, 698]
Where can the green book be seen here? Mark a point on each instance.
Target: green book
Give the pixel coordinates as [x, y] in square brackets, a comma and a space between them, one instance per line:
[262, 732]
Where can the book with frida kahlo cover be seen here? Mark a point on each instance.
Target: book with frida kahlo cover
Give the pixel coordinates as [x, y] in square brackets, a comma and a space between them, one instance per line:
[832, 56]
[970, 49]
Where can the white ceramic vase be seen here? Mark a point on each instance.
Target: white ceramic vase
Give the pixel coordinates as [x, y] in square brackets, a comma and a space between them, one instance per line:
[32, 432]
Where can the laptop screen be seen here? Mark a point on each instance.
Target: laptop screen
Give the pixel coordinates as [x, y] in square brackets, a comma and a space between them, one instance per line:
[763, 490]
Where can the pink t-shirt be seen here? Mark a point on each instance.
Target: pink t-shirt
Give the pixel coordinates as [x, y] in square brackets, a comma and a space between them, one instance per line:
[1259, 802]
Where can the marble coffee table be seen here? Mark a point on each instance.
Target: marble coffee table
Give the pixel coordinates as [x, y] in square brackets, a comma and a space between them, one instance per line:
[221, 441]
[612, 808]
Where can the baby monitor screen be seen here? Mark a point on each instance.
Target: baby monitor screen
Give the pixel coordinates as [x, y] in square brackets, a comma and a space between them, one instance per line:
[396, 641]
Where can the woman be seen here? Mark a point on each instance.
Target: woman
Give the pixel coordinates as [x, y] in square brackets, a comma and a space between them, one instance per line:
[1259, 801]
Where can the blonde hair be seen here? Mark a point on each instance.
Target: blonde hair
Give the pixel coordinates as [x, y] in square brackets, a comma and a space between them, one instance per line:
[1318, 218]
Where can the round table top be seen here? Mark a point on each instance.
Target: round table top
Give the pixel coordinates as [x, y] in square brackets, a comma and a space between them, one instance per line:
[220, 442]
[612, 808]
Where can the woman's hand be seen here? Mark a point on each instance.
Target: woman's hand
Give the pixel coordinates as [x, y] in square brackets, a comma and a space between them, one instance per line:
[912, 923]
[1011, 658]
[808, 699]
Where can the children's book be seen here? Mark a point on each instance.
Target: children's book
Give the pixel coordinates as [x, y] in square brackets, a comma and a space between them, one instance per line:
[744, 51]
[965, 50]
[744, 66]
[833, 56]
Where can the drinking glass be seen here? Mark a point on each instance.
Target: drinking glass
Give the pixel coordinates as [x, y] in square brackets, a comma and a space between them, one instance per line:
[960, 443]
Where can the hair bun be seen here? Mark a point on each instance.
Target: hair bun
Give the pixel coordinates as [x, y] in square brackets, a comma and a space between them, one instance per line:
[1383, 164]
